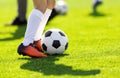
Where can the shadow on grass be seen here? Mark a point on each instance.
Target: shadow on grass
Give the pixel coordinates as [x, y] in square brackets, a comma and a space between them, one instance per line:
[19, 33]
[47, 66]
[97, 14]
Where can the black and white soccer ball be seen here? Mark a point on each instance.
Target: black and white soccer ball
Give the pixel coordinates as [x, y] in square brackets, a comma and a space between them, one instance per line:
[54, 41]
[61, 7]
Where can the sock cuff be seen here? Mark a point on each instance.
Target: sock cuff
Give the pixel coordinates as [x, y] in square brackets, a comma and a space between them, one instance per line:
[48, 11]
[37, 12]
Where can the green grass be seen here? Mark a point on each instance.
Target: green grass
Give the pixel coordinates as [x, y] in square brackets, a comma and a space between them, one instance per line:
[94, 43]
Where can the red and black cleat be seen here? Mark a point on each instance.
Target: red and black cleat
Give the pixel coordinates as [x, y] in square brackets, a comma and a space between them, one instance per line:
[37, 44]
[29, 51]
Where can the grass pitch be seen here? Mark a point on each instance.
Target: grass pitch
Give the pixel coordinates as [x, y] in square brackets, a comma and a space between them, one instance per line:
[94, 43]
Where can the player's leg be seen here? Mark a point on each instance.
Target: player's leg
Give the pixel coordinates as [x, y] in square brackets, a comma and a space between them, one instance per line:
[22, 9]
[21, 17]
[53, 14]
[50, 5]
[96, 3]
[35, 18]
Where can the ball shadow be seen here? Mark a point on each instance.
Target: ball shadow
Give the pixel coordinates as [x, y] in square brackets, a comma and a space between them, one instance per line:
[47, 66]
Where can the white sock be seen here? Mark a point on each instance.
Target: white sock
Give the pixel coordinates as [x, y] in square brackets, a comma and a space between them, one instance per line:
[32, 26]
[42, 24]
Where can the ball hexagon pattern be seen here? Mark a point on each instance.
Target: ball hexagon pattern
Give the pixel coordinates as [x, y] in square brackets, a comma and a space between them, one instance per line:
[54, 41]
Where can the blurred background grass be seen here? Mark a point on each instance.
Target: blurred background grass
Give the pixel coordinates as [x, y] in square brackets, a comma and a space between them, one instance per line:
[94, 43]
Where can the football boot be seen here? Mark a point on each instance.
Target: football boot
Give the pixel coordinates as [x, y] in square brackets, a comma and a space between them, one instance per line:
[29, 50]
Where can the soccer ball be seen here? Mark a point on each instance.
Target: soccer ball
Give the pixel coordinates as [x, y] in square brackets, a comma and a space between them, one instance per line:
[54, 41]
[61, 7]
